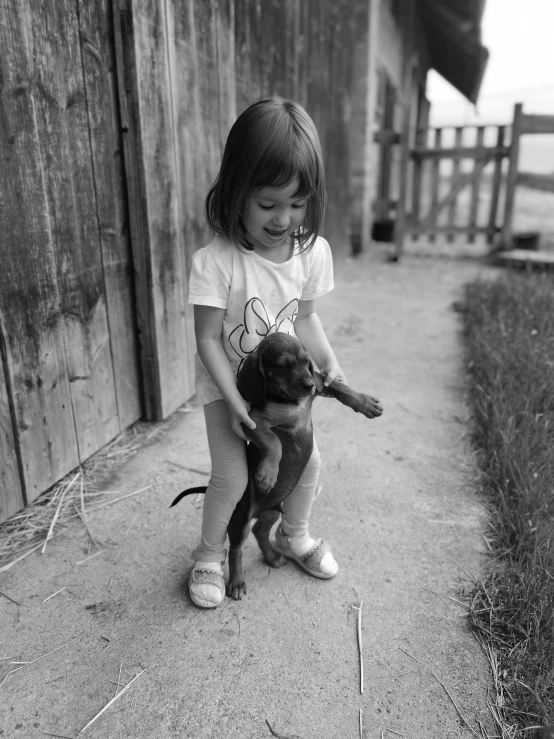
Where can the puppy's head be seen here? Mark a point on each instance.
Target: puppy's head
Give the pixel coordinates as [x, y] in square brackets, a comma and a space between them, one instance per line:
[287, 368]
[279, 368]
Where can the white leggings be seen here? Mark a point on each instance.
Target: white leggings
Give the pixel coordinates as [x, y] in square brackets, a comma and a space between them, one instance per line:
[228, 482]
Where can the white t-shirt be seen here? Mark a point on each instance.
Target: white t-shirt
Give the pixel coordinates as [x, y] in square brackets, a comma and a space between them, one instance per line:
[259, 296]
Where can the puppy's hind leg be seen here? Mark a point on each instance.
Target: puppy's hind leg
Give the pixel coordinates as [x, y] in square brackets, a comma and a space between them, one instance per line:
[238, 530]
[261, 530]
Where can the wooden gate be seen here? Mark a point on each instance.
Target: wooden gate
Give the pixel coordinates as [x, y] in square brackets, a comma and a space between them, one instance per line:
[456, 182]
[69, 375]
[462, 181]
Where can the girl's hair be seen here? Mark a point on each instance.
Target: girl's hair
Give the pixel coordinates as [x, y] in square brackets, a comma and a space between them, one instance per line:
[271, 142]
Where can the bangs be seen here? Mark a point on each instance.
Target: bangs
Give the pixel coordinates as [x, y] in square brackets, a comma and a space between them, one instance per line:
[283, 164]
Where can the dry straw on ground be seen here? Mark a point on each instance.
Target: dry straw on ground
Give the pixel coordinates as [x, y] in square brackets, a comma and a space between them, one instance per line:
[78, 493]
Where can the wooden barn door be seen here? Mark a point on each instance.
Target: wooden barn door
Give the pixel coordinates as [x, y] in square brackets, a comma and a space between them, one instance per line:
[69, 377]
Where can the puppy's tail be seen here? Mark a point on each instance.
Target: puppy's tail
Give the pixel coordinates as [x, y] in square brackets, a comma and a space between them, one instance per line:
[189, 491]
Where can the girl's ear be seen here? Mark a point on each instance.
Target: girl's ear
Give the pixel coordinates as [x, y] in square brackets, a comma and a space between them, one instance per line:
[251, 379]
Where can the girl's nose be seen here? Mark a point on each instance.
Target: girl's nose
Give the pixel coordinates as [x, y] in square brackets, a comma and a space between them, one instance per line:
[282, 220]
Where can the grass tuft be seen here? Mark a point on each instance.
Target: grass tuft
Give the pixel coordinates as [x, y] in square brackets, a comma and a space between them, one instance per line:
[509, 333]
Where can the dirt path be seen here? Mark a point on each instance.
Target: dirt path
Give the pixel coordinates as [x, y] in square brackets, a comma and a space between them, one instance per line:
[397, 507]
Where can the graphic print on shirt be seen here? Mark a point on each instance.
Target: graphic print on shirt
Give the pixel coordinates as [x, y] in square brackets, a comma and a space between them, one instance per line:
[246, 336]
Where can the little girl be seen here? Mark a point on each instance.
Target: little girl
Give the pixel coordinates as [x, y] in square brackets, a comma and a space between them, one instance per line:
[262, 273]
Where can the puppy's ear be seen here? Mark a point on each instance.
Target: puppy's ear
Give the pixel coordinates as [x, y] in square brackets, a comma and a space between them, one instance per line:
[318, 377]
[251, 380]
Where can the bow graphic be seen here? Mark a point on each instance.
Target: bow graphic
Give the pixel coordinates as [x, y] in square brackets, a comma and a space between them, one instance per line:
[246, 337]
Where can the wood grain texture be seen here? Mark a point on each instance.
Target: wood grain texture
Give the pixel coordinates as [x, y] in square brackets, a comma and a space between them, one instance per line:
[98, 54]
[30, 300]
[62, 119]
[511, 179]
[475, 187]
[156, 91]
[12, 496]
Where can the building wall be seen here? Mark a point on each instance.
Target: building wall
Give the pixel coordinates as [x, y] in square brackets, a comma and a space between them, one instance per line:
[398, 43]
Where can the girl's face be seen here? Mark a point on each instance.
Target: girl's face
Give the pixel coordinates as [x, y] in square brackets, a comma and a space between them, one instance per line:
[271, 216]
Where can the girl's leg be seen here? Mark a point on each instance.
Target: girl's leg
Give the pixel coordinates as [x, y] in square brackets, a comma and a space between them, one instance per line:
[227, 484]
[295, 518]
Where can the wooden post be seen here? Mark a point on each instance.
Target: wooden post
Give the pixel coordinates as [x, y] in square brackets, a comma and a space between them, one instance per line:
[420, 141]
[513, 160]
[496, 183]
[12, 480]
[370, 149]
[475, 189]
[407, 78]
[435, 181]
[458, 143]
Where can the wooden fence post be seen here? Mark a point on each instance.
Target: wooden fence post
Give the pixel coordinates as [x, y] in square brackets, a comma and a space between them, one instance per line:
[407, 77]
[496, 185]
[506, 240]
[370, 159]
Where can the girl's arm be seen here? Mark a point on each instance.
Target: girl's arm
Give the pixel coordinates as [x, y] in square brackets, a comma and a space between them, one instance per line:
[311, 333]
[208, 324]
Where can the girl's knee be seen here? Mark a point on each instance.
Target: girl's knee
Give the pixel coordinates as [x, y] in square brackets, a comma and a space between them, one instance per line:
[229, 487]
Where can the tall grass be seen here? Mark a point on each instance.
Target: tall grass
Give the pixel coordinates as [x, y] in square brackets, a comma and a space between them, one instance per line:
[509, 332]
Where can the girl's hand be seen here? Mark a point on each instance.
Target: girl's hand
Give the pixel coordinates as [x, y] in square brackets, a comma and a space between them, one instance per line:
[239, 414]
[333, 372]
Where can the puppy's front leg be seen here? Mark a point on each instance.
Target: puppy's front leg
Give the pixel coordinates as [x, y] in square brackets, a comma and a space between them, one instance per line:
[359, 402]
[270, 445]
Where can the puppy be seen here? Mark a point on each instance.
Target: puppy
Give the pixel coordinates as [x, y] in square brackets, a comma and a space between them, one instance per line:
[279, 382]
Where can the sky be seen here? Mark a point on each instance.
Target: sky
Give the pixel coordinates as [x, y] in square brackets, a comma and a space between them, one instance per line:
[519, 35]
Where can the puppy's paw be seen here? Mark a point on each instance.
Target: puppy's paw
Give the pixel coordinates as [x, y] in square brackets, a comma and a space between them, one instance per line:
[266, 476]
[273, 559]
[369, 406]
[236, 588]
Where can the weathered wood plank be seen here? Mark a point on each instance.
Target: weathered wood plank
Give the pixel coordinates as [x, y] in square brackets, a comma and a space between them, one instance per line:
[511, 180]
[98, 55]
[458, 152]
[408, 71]
[11, 488]
[417, 182]
[206, 110]
[29, 294]
[448, 229]
[242, 54]
[62, 119]
[431, 219]
[475, 186]
[370, 151]
[156, 86]
[496, 185]
[225, 54]
[136, 201]
[458, 138]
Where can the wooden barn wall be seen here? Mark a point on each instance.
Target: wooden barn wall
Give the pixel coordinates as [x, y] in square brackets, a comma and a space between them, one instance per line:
[69, 356]
[194, 67]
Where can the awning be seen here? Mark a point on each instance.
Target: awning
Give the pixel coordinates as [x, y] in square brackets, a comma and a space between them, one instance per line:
[453, 30]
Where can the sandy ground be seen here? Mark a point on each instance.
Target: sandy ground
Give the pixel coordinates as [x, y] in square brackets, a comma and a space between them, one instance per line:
[398, 507]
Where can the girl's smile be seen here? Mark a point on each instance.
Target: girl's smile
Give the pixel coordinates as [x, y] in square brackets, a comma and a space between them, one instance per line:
[272, 215]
